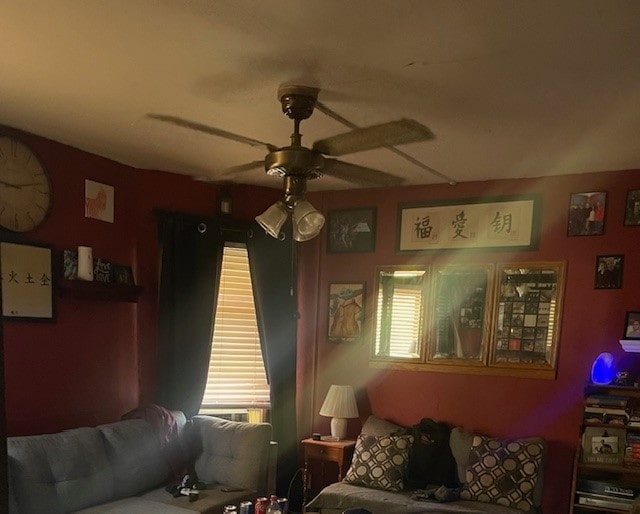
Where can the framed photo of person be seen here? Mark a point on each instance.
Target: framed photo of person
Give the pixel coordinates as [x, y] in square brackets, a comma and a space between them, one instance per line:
[346, 312]
[609, 271]
[586, 213]
[632, 208]
[632, 325]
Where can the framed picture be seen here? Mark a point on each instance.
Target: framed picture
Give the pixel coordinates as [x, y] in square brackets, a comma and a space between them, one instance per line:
[461, 326]
[500, 222]
[122, 274]
[27, 282]
[632, 325]
[632, 208]
[346, 312]
[526, 317]
[352, 230]
[586, 213]
[609, 271]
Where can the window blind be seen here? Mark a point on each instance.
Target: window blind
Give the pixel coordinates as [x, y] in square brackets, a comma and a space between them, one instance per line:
[406, 310]
[237, 377]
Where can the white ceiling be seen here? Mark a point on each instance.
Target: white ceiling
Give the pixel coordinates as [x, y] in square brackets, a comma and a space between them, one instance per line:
[510, 88]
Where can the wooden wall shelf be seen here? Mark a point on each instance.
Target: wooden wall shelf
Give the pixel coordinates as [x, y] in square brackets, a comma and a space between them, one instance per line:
[105, 291]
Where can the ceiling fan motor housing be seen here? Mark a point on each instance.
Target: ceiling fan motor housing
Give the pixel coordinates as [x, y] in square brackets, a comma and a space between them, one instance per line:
[294, 160]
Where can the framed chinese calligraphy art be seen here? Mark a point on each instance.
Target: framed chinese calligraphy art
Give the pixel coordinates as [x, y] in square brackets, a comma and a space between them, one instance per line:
[499, 222]
[461, 297]
[526, 318]
[27, 285]
[346, 312]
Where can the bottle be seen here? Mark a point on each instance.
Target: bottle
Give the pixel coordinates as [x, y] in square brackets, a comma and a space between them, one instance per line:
[274, 506]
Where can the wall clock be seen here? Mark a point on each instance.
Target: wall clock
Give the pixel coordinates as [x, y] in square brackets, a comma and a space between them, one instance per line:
[25, 188]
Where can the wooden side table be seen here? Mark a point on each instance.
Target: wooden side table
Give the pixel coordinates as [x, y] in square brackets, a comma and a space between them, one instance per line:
[339, 452]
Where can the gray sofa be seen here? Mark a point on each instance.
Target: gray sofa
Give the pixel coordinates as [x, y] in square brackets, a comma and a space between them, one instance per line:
[123, 467]
[483, 470]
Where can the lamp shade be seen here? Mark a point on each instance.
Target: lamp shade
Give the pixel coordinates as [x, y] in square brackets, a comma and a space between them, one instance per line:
[307, 221]
[340, 402]
[273, 218]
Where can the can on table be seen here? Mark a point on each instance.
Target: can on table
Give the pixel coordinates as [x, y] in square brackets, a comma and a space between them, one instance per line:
[261, 505]
[230, 508]
[284, 505]
[246, 508]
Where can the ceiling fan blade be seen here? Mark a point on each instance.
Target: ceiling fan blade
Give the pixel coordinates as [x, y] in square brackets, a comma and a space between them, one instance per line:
[359, 174]
[242, 168]
[376, 136]
[180, 122]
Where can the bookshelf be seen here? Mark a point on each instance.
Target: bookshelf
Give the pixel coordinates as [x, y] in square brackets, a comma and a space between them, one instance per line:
[606, 476]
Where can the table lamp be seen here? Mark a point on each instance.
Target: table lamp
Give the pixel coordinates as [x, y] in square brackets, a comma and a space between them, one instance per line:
[339, 405]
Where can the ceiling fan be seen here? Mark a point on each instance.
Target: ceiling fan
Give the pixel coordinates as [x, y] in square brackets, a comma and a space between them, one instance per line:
[296, 163]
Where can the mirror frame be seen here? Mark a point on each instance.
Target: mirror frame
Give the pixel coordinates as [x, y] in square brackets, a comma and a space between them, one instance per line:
[462, 321]
[509, 350]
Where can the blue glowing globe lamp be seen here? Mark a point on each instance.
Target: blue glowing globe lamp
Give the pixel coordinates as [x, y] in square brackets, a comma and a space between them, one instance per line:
[603, 370]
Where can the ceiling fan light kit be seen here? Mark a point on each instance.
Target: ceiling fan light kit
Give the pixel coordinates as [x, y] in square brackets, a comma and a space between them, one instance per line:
[296, 164]
[273, 218]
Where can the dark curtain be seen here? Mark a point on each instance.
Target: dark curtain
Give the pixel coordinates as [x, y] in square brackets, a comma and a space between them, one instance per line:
[190, 268]
[274, 277]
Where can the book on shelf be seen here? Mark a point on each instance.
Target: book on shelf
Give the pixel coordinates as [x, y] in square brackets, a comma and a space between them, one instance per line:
[605, 400]
[605, 502]
[619, 411]
[606, 488]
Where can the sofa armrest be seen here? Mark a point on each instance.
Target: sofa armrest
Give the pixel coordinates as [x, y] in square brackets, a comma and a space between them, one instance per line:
[272, 467]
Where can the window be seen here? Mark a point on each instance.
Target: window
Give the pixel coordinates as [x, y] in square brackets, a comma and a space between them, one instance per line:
[236, 383]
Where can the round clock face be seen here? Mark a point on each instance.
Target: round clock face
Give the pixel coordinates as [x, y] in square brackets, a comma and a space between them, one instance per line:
[25, 190]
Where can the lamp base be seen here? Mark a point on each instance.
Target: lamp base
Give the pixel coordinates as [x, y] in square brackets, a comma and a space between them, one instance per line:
[339, 428]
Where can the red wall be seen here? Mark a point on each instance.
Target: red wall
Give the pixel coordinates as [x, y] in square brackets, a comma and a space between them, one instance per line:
[96, 361]
[592, 322]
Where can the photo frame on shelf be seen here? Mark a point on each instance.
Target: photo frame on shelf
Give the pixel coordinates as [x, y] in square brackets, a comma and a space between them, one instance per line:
[608, 271]
[632, 208]
[527, 315]
[632, 325]
[346, 312]
[461, 324]
[27, 282]
[587, 213]
[351, 230]
[122, 274]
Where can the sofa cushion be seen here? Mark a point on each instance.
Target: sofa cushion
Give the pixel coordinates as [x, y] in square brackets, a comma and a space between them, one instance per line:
[504, 472]
[378, 426]
[233, 453]
[56, 473]
[380, 462]
[460, 443]
[139, 462]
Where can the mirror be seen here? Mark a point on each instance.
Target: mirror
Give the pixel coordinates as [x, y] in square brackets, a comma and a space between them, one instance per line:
[527, 315]
[461, 296]
[399, 313]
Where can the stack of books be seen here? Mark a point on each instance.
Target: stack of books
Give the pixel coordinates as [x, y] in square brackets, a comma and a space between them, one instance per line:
[603, 494]
[609, 409]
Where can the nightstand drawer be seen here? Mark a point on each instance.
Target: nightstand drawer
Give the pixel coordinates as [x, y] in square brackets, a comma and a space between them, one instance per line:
[329, 453]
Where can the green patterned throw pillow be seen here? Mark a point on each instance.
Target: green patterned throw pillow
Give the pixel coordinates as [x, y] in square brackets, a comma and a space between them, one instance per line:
[503, 472]
[380, 462]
